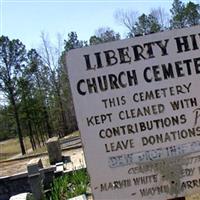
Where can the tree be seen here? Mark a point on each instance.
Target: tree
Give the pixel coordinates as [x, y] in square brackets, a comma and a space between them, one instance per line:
[126, 18]
[95, 40]
[146, 25]
[184, 15]
[161, 16]
[67, 96]
[12, 61]
[32, 104]
[53, 59]
[73, 42]
[178, 15]
[26, 105]
[7, 123]
[104, 35]
[192, 14]
[40, 72]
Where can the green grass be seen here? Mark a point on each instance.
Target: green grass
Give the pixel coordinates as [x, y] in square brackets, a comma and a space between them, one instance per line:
[11, 147]
[70, 185]
[38, 150]
[74, 134]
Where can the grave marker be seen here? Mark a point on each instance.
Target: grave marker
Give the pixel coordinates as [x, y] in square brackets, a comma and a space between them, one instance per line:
[137, 104]
[54, 150]
[35, 178]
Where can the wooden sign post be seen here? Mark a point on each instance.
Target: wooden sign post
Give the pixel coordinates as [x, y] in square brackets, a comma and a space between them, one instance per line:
[137, 104]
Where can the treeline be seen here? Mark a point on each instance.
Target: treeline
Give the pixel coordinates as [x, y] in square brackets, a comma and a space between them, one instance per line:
[34, 85]
[36, 89]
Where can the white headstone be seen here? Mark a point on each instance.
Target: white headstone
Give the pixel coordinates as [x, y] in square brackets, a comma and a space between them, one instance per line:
[80, 197]
[21, 196]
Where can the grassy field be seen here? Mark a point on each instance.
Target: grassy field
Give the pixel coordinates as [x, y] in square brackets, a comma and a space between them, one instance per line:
[74, 134]
[11, 147]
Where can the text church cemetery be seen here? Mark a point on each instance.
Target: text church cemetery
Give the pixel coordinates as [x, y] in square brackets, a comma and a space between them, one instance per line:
[137, 103]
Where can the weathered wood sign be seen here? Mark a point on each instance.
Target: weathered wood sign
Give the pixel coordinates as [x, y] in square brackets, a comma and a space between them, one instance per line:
[137, 103]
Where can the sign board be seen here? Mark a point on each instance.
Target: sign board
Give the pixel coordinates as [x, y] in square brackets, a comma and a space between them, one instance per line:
[137, 103]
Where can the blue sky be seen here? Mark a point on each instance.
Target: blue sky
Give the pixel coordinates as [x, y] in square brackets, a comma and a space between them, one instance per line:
[26, 19]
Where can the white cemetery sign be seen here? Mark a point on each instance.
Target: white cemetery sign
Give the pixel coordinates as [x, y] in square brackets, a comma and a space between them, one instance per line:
[137, 103]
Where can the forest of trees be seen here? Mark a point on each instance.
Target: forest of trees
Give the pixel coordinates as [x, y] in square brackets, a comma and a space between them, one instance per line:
[34, 86]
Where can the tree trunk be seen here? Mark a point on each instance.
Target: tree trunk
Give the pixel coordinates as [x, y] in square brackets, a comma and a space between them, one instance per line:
[64, 121]
[46, 117]
[18, 125]
[37, 136]
[32, 140]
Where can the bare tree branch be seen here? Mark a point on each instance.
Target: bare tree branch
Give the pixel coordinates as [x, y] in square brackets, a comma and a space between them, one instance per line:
[126, 18]
[162, 16]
